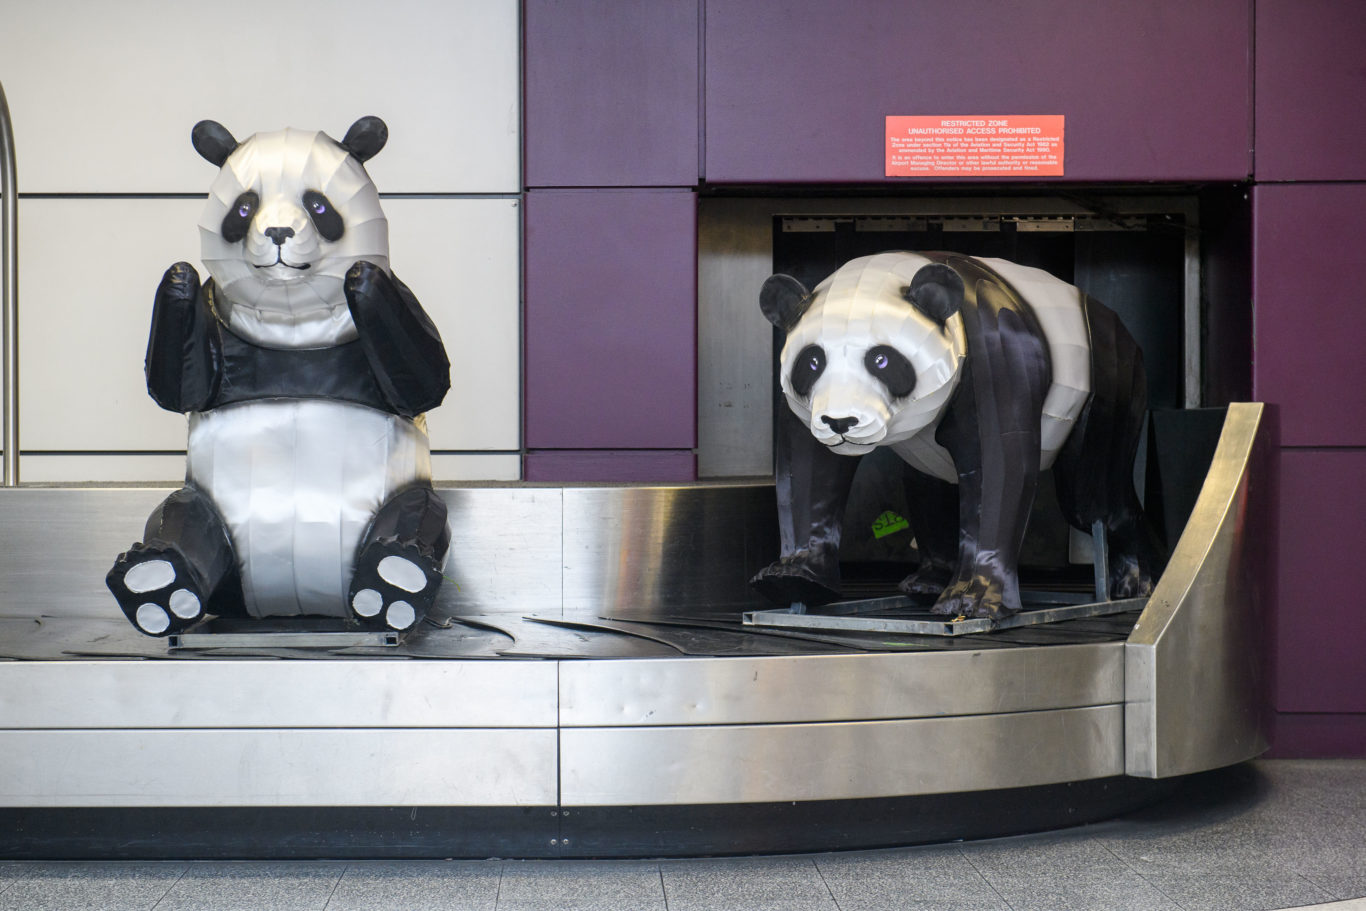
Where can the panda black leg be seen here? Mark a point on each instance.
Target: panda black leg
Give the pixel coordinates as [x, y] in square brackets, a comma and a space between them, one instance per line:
[1095, 468]
[812, 486]
[398, 567]
[993, 433]
[933, 508]
[165, 583]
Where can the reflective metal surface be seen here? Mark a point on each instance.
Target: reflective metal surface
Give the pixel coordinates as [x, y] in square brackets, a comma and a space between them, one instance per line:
[244, 693]
[724, 764]
[9, 296]
[1193, 665]
[272, 768]
[660, 548]
[838, 687]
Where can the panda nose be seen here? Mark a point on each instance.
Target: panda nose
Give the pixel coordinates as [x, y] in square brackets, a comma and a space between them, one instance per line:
[839, 425]
[279, 235]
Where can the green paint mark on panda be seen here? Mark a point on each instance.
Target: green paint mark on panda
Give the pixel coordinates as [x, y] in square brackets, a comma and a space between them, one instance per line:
[888, 523]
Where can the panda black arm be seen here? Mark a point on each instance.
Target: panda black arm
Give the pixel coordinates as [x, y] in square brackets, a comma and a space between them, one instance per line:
[399, 340]
[184, 349]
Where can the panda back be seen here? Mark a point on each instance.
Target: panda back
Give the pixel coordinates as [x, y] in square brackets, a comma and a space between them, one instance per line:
[1061, 313]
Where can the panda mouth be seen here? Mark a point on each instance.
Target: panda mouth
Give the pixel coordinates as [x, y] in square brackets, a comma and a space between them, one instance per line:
[280, 261]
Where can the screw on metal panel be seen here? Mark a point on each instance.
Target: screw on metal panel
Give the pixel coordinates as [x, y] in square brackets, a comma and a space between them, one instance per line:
[565, 842]
[566, 812]
[554, 813]
[554, 841]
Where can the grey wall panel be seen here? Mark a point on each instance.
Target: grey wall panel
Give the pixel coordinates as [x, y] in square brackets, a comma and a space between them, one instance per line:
[279, 767]
[277, 694]
[742, 764]
[839, 687]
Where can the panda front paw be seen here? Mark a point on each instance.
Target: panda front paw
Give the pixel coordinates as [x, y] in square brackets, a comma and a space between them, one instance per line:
[981, 597]
[803, 576]
[156, 590]
[394, 585]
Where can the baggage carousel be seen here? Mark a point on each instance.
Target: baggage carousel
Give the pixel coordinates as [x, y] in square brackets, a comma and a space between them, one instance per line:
[588, 688]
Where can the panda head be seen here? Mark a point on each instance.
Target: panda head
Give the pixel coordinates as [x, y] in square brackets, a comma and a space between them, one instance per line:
[873, 354]
[289, 213]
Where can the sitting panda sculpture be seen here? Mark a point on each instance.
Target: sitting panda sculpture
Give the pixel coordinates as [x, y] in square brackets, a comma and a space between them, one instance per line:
[305, 367]
[979, 373]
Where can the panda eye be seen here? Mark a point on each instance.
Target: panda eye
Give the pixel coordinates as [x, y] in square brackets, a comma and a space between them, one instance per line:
[891, 367]
[238, 219]
[325, 217]
[808, 367]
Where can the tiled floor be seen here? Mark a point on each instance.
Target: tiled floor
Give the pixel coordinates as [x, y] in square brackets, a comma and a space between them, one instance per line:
[1271, 834]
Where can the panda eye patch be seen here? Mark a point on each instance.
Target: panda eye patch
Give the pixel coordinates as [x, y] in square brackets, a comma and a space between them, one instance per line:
[807, 368]
[325, 216]
[239, 216]
[891, 367]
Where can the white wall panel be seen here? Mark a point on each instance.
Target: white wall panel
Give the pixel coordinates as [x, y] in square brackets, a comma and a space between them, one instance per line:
[89, 270]
[82, 468]
[476, 467]
[461, 258]
[103, 95]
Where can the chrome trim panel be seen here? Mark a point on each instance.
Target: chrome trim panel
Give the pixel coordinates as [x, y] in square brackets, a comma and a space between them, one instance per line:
[1193, 665]
[825, 688]
[277, 768]
[660, 548]
[709, 765]
[277, 694]
[506, 549]
[9, 297]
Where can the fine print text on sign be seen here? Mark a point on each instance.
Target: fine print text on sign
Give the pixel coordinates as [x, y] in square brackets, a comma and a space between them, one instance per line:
[1011, 146]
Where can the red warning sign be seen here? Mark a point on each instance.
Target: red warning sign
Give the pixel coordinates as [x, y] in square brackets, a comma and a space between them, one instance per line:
[1011, 146]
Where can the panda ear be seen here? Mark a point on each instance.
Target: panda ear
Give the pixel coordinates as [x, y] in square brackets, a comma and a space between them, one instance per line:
[365, 138]
[784, 300]
[936, 291]
[212, 141]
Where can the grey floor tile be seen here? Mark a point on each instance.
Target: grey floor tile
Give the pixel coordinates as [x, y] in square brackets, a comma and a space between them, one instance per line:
[1341, 886]
[417, 886]
[1335, 784]
[1212, 852]
[903, 878]
[1199, 892]
[259, 885]
[746, 884]
[85, 886]
[1081, 892]
[10, 871]
[1044, 855]
[581, 886]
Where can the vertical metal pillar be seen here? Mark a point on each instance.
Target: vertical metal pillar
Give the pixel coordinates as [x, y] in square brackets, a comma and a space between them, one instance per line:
[9, 296]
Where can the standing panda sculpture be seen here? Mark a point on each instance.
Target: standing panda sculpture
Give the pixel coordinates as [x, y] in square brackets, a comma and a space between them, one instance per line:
[979, 373]
[305, 367]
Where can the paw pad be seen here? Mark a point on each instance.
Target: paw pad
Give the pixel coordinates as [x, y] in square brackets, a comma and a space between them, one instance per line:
[155, 591]
[394, 585]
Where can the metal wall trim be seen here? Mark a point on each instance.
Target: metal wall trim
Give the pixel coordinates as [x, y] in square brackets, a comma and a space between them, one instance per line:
[1194, 696]
[823, 688]
[636, 766]
[278, 768]
[76, 695]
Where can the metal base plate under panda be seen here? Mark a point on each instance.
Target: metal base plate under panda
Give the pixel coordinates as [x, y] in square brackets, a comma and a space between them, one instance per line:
[861, 615]
[298, 632]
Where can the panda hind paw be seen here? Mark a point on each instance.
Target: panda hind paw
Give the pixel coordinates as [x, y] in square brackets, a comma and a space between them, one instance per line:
[977, 598]
[156, 590]
[394, 585]
[1128, 579]
[791, 580]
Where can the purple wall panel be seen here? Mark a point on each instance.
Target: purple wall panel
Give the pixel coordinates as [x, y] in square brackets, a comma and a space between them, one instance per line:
[1321, 611]
[1317, 736]
[655, 466]
[1310, 83]
[1307, 277]
[611, 93]
[611, 302]
[1151, 91]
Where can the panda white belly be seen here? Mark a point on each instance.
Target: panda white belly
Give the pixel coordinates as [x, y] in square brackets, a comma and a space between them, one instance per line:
[298, 481]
